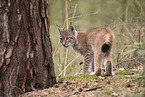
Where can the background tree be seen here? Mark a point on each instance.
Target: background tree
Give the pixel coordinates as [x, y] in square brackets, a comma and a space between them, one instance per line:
[26, 60]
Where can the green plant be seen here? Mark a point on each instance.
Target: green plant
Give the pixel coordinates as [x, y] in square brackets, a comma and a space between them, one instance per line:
[125, 72]
[136, 48]
[141, 81]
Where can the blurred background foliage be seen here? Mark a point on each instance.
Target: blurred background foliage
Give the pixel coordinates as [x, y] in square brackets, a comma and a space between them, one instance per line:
[125, 17]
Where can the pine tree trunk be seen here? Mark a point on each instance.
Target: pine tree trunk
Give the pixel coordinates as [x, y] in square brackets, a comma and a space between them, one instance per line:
[26, 60]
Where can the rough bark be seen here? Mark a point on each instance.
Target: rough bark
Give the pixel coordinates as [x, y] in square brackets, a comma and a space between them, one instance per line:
[26, 60]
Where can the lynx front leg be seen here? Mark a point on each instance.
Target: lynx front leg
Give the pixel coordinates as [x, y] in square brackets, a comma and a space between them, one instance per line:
[87, 63]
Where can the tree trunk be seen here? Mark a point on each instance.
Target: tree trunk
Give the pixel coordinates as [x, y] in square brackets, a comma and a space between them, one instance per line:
[26, 62]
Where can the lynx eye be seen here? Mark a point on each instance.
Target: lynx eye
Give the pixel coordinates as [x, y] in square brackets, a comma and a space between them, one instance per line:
[67, 38]
[60, 38]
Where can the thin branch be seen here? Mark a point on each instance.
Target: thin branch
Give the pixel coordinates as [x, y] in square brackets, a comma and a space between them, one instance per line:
[56, 48]
[68, 65]
[66, 57]
[74, 10]
[80, 16]
[66, 54]
[66, 14]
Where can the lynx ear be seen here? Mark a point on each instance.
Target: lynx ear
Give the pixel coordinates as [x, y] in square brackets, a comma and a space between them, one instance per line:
[60, 29]
[72, 30]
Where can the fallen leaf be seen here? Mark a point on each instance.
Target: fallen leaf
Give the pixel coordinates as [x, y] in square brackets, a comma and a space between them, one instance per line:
[101, 77]
[114, 95]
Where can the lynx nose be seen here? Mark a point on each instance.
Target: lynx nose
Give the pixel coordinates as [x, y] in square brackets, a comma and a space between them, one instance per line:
[64, 44]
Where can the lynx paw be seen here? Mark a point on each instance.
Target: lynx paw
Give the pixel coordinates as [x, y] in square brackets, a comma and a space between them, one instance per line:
[92, 73]
[78, 73]
[113, 73]
[97, 73]
[109, 74]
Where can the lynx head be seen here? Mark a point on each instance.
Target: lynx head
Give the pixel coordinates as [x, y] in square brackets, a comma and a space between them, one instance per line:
[68, 36]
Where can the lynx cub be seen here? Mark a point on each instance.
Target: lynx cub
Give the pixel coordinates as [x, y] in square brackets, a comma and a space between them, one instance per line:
[94, 45]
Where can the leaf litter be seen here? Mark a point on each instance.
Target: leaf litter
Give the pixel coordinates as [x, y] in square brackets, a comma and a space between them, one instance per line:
[92, 86]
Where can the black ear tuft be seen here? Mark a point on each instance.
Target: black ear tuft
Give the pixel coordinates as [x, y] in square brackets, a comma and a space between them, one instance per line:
[72, 29]
[60, 29]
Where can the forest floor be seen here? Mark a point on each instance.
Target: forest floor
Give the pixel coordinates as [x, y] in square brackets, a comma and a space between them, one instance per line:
[123, 84]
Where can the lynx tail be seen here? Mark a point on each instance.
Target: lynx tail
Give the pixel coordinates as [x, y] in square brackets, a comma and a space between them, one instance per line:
[105, 47]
